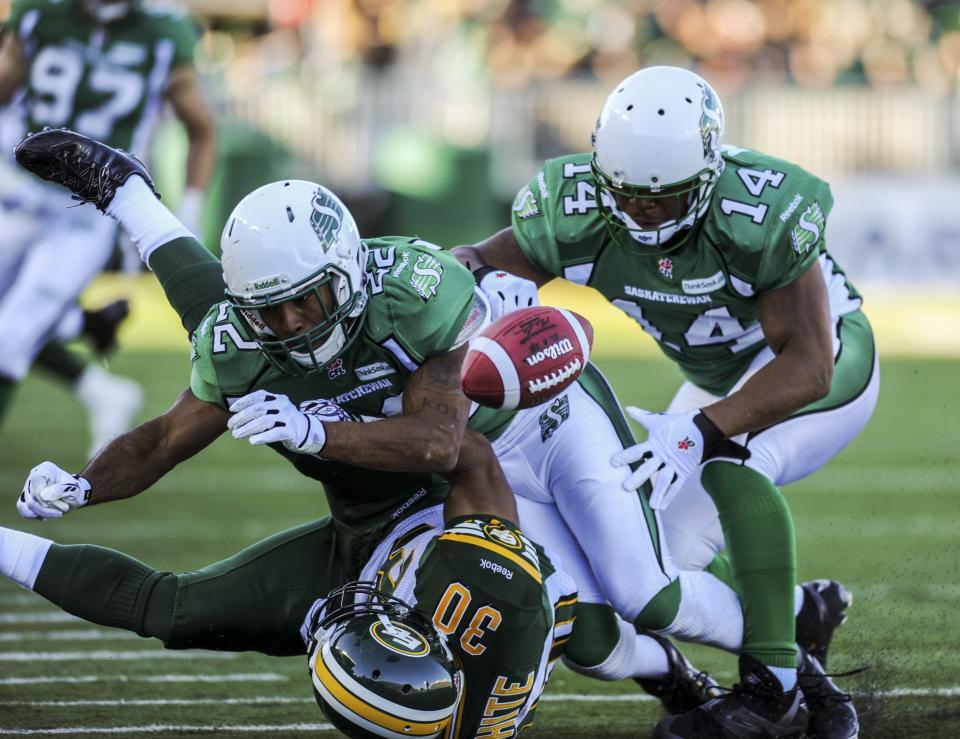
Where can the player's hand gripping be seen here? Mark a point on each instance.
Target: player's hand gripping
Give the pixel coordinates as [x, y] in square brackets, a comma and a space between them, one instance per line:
[506, 292]
[50, 492]
[677, 444]
[268, 418]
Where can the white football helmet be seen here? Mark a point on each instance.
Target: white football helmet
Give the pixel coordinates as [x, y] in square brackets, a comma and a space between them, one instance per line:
[283, 241]
[658, 136]
[109, 11]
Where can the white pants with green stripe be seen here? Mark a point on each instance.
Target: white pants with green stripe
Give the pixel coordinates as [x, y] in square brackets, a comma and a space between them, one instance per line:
[787, 451]
[556, 458]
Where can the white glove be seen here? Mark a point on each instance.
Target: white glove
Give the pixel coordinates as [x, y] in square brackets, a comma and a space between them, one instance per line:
[506, 292]
[677, 444]
[268, 418]
[50, 492]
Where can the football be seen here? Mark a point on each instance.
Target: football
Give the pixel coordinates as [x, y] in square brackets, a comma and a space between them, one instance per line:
[526, 357]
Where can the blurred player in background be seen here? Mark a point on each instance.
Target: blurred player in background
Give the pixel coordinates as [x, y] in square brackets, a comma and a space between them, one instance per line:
[718, 253]
[104, 68]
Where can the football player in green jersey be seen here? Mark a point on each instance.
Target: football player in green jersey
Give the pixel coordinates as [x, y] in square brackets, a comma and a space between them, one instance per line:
[105, 68]
[719, 254]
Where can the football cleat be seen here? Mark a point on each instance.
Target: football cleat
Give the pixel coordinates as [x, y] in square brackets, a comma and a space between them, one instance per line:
[100, 326]
[112, 403]
[756, 708]
[832, 714]
[825, 604]
[685, 687]
[89, 169]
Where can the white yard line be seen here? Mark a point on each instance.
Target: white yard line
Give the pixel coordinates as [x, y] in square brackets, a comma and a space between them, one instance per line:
[69, 635]
[38, 617]
[255, 677]
[109, 654]
[168, 729]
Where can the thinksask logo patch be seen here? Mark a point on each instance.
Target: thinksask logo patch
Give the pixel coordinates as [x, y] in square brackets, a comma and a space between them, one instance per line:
[701, 285]
[806, 234]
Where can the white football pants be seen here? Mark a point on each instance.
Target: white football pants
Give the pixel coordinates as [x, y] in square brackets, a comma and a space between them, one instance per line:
[785, 452]
[556, 458]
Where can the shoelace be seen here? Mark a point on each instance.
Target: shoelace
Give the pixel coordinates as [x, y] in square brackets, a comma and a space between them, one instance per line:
[838, 697]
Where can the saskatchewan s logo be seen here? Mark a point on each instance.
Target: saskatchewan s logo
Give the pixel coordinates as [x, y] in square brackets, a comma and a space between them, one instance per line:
[427, 273]
[711, 122]
[525, 204]
[399, 638]
[809, 229]
[326, 219]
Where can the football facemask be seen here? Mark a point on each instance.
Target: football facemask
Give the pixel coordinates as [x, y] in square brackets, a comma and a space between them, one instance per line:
[378, 668]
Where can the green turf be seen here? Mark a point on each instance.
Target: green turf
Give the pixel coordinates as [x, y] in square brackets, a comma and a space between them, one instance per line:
[883, 517]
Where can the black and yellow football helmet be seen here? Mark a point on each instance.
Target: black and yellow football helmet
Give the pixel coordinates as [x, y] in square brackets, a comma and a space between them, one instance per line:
[380, 669]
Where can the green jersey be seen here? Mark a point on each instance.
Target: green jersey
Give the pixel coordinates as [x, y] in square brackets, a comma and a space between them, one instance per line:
[504, 607]
[763, 229]
[104, 81]
[422, 304]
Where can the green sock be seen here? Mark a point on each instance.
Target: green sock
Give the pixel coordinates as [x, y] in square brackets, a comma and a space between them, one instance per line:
[758, 530]
[595, 635]
[191, 277]
[8, 389]
[662, 609]
[108, 588]
[62, 363]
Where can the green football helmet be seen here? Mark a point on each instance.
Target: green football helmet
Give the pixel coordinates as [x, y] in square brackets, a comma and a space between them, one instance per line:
[286, 241]
[109, 11]
[378, 668]
[658, 143]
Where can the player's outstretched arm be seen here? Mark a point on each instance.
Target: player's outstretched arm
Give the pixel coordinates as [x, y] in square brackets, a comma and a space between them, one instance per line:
[129, 464]
[503, 272]
[796, 324]
[13, 67]
[479, 486]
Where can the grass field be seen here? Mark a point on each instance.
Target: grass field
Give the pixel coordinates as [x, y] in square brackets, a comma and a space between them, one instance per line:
[884, 517]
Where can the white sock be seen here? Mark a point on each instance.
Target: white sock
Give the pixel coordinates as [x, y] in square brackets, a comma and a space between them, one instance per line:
[635, 655]
[70, 325]
[147, 221]
[709, 612]
[797, 600]
[786, 675]
[22, 555]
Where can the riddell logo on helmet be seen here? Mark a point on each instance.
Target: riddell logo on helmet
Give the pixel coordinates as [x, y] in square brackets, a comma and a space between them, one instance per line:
[551, 351]
[267, 284]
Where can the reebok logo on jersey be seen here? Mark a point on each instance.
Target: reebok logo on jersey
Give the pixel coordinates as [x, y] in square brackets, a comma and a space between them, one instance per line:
[486, 564]
[701, 285]
[373, 371]
[794, 204]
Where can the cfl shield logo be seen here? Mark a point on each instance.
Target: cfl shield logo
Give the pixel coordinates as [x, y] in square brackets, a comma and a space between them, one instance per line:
[686, 444]
[557, 413]
[326, 219]
[336, 369]
[666, 268]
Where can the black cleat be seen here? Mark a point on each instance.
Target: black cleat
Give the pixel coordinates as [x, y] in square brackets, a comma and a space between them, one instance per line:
[756, 708]
[832, 714]
[92, 171]
[685, 687]
[825, 604]
[100, 326]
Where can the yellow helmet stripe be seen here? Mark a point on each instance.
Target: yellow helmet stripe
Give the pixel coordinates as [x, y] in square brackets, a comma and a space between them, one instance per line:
[372, 713]
[497, 549]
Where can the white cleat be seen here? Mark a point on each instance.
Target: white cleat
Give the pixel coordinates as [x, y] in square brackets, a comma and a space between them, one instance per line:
[112, 404]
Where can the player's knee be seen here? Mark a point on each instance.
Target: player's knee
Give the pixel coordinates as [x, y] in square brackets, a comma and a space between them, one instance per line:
[631, 593]
[594, 637]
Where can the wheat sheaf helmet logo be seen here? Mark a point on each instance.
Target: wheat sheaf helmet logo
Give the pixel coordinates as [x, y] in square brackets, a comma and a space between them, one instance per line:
[326, 219]
[711, 122]
[399, 638]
